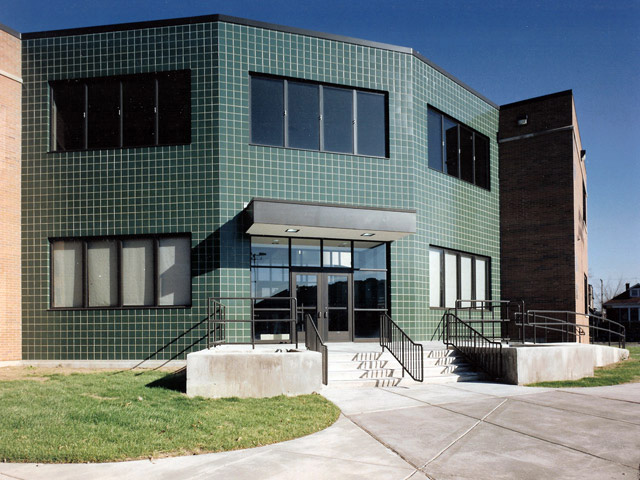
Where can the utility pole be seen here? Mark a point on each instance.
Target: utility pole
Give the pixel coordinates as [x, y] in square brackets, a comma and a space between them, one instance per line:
[601, 299]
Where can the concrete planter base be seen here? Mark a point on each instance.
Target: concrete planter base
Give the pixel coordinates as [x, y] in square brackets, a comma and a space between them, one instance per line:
[525, 364]
[253, 373]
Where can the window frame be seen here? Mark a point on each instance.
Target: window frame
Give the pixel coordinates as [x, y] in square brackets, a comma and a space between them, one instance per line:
[321, 129]
[84, 240]
[459, 254]
[85, 83]
[443, 150]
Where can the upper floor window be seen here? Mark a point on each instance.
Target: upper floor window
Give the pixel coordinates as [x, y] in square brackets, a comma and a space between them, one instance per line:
[457, 150]
[121, 272]
[126, 111]
[314, 116]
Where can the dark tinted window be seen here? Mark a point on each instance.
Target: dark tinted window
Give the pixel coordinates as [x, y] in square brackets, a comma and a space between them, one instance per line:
[372, 119]
[482, 161]
[338, 119]
[174, 107]
[303, 115]
[370, 289]
[129, 111]
[68, 102]
[138, 110]
[103, 117]
[466, 154]
[267, 111]
[451, 147]
[434, 122]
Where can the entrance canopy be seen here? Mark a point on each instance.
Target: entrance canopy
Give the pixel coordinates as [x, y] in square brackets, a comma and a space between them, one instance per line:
[316, 220]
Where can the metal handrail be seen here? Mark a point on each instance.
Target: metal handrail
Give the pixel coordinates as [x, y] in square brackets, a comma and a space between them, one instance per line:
[216, 323]
[495, 313]
[484, 353]
[407, 352]
[575, 329]
[313, 341]
[217, 319]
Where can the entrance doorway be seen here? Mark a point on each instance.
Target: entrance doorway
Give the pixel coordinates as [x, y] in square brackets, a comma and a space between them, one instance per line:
[327, 297]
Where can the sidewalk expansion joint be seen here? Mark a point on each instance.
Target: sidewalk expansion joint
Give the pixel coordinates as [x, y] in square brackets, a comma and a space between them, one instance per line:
[384, 444]
[577, 412]
[598, 396]
[464, 434]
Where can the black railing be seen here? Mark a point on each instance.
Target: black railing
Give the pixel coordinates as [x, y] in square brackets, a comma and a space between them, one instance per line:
[313, 341]
[216, 323]
[489, 317]
[484, 353]
[543, 326]
[235, 311]
[408, 353]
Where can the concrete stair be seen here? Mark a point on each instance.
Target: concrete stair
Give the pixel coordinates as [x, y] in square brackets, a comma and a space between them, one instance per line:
[369, 367]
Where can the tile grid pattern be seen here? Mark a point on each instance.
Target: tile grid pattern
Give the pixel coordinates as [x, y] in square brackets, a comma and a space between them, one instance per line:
[203, 187]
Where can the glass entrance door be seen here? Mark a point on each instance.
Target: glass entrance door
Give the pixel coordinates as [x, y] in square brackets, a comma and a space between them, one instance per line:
[337, 306]
[305, 287]
[327, 297]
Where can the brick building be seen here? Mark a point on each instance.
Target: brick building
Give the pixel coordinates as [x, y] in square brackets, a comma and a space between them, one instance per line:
[543, 204]
[10, 194]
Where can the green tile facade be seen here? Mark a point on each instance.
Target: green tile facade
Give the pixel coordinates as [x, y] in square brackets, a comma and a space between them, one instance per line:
[203, 187]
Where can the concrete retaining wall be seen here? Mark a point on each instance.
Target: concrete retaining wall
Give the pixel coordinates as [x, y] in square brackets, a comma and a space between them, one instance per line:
[257, 374]
[549, 362]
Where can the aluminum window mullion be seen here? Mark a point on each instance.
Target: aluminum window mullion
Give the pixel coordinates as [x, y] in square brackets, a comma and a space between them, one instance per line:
[473, 163]
[156, 269]
[119, 271]
[53, 115]
[459, 153]
[85, 274]
[474, 294]
[321, 116]
[442, 279]
[354, 122]
[156, 111]
[285, 93]
[121, 115]
[443, 153]
[86, 116]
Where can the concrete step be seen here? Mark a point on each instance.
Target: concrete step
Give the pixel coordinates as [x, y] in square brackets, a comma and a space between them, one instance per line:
[375, 368]
[367, 365]
[360, 374]
[399, 381]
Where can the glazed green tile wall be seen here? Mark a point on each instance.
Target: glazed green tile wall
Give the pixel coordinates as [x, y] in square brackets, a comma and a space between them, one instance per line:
[451, 213]
[108, 192]
[203, 187]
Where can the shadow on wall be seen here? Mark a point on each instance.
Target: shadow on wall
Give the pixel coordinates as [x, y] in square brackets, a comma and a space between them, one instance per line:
[208, 255]
[201, 324]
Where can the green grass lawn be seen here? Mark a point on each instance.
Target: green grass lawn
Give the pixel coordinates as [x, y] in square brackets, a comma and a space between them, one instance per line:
[97, 417]
[621, 372]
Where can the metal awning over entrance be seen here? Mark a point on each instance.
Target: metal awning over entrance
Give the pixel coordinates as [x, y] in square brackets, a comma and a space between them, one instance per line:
[316, 220]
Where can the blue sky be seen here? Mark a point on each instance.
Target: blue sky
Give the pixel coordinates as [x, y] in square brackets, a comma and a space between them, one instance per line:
[506, 50]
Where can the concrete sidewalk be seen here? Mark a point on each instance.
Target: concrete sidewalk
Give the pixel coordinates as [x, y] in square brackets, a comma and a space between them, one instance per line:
[463, 430]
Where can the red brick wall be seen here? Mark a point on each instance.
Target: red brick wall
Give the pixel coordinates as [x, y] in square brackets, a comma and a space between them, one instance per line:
[542, 253]
[10, 138]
